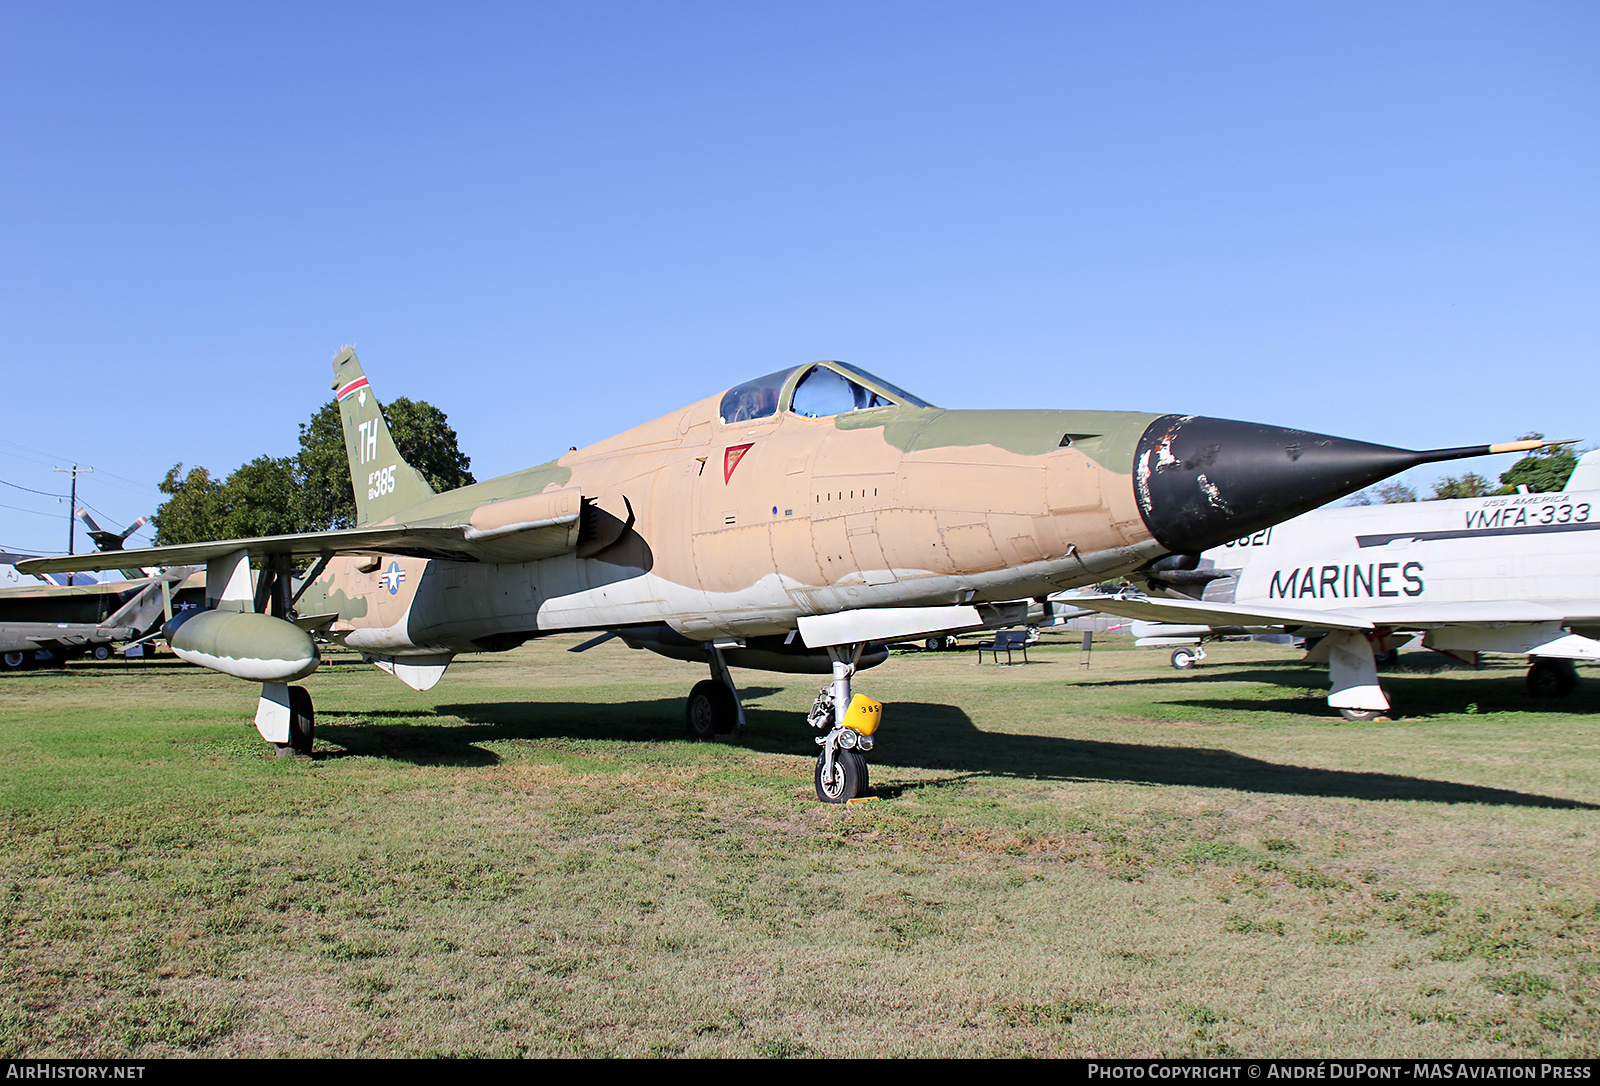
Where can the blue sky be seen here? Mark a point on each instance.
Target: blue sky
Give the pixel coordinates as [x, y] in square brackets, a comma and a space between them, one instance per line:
[556, 221]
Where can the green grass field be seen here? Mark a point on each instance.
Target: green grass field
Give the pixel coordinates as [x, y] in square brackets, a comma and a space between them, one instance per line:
[530, 859]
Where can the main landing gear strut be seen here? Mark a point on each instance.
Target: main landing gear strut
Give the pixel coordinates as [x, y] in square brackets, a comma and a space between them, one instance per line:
[714, 707]
[850, 723]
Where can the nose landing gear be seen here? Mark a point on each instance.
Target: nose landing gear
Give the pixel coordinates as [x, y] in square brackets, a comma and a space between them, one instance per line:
[850, 722]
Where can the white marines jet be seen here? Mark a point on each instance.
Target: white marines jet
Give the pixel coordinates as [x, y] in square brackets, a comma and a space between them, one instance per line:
[1514, 574]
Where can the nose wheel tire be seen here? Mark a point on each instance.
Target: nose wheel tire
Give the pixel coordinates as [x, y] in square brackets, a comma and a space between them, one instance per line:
[14, 661]
[710, 710]
[848, 780]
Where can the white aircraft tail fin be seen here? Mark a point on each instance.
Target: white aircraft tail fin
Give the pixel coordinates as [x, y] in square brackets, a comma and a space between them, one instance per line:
[1586, 476]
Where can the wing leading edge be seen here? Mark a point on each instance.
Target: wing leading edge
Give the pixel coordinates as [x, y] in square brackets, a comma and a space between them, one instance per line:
[519, 530]
[1187, 613]
[1415, 616]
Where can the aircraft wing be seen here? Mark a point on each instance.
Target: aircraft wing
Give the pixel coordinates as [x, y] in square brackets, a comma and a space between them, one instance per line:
[1198, 613]
[1416, 616]
[513, 541]
[1477, 612]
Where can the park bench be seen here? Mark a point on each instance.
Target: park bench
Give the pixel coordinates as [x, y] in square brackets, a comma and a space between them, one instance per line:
[1006, 641]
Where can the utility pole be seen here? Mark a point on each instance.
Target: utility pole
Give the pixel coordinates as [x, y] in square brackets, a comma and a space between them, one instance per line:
[72, 510]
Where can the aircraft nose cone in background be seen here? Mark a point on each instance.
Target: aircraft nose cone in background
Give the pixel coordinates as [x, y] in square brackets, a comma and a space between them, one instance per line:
[1201, 482]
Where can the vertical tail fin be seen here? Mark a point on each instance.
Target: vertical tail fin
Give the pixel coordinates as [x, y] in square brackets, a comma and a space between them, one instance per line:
[384, 483]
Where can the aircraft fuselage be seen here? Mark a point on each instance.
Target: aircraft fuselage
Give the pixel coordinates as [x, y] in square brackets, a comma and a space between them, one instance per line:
[739, 529]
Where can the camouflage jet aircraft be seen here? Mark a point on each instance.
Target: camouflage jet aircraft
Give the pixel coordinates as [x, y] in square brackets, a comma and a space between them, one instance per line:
[790, 523]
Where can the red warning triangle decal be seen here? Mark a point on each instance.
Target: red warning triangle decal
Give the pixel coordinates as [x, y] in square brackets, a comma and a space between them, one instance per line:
[731, 458]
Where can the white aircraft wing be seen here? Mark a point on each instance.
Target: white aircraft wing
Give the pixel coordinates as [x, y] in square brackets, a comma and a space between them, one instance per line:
[1414, 616]
[1422, 615]
[1205, 613]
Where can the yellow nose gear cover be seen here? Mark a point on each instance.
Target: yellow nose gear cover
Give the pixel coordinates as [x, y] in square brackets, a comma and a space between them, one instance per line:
[864, 714]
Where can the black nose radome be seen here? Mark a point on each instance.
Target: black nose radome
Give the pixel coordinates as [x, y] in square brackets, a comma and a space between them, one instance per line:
[1202, 481]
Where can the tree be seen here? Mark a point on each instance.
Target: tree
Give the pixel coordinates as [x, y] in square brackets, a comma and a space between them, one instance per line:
[305, 493]
[421, 432]
[1541, 471]
[1395, 493]
[192, 513]
[1470, 485]
[261, 498]
[1387, 494]
[325, 498]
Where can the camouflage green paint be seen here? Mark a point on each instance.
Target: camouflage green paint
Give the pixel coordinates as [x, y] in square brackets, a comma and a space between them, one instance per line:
[384, 483]
[323, 598]
[1109, 438]
[456, 506]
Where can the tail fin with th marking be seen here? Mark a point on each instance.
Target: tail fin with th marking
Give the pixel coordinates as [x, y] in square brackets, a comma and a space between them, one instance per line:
[384, 483]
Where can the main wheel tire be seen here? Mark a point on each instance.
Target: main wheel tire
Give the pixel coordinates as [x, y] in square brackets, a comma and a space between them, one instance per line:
[710, 710]
[14, 661]
[302, 720]
[933, 644]
[1364, 714]
[102, 652]
[848, 780]
[1183, 659]
[1383, 661]
[1549, 678]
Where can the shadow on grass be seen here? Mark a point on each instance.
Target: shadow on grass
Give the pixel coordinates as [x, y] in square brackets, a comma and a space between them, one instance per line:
[920, 735]
[1301, 677]
[943, 737]
[1414, 694]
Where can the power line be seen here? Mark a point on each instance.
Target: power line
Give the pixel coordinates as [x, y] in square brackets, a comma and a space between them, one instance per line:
[30, 490]
[109, 519]
[52, 458]
[35, 512]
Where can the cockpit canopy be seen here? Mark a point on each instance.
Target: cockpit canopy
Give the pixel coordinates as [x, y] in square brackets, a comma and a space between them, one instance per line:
[815, 391]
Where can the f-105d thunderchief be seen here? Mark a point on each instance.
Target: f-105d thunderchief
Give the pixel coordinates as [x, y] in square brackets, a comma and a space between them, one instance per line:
[791, 523]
